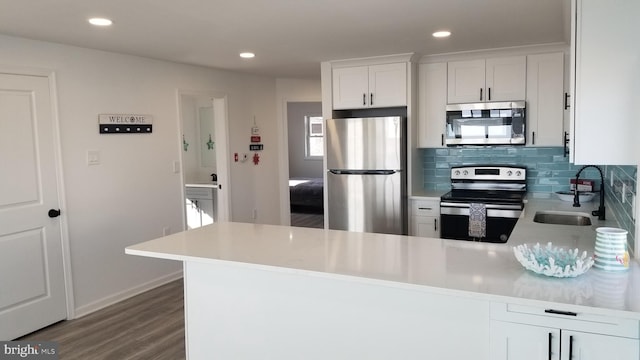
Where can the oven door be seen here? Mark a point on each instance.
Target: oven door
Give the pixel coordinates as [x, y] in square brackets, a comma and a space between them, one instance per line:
[500, 221]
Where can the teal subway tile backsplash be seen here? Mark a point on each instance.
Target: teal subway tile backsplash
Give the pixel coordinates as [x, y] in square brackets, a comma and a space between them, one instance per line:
[548, 171]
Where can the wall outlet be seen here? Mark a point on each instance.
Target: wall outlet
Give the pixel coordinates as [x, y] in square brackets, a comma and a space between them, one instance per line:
[254, 214]
[176, 167]
[166, 231]
[611, 178]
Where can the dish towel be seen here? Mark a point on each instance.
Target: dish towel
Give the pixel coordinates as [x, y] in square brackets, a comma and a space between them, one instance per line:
[477, 220]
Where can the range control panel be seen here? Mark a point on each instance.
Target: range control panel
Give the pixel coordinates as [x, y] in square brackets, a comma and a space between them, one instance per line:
[489, 172]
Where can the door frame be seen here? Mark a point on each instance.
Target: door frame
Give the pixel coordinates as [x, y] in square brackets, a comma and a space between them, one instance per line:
[57, 149]
[222, 152]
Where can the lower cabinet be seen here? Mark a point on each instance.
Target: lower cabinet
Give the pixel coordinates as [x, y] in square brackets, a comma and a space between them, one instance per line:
[200, 206]
[546, 334]
[425, 217]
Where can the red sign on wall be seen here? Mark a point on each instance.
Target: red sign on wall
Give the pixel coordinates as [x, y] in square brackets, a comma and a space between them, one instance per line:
[255, 139]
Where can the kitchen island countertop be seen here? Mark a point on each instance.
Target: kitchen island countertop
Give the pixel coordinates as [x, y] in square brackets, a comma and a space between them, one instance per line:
[488, 271]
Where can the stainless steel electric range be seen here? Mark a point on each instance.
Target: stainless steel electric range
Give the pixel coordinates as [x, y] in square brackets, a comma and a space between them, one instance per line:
[484, 203]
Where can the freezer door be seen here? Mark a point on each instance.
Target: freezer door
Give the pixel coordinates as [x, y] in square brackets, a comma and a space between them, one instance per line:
[366, 143]
[367, 203]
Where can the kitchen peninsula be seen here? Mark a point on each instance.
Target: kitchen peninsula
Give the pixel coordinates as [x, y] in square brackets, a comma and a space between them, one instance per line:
[275, 292]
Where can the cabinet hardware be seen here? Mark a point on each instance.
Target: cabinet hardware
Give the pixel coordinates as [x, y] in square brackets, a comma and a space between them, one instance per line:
[435, 224]
[489, 94]
[560, 312]
[442, 139]
[480, 94]
[371, 101]
[533, 138]
[566, 144]
[566, 101]
[550, 338]
[364, 99]
[570, 347]
[424, 208]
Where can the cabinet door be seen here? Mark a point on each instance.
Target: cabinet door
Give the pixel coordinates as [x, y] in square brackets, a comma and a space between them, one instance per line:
[466, 81]
[514, 341]
[545, 99]
[351, 87]
[606, 82]
[432, 103]
[425, 226]
[387, 85]
[587, 346]
[506, 78]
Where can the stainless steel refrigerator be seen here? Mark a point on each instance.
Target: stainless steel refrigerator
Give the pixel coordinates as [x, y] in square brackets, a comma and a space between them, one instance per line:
[366, 177]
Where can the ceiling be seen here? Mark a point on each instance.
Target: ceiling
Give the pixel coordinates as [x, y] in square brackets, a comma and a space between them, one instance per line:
[290, 37]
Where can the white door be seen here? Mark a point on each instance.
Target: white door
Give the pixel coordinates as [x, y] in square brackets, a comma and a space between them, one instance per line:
[32, 288]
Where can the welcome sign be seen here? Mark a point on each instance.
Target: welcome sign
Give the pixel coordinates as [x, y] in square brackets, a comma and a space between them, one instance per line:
[125, 124]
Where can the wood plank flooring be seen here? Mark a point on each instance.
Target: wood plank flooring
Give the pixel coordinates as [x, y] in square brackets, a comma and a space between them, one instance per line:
[149, 326]
[307, 220]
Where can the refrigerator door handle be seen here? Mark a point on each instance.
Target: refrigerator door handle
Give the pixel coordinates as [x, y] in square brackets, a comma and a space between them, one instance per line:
[362, 172]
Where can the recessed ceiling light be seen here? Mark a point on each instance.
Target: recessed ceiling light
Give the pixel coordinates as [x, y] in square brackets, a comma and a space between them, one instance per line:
[247, 55]
[100, 21]
[441, 34]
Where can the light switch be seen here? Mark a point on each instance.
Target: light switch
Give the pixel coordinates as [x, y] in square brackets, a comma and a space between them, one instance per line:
[93, 157]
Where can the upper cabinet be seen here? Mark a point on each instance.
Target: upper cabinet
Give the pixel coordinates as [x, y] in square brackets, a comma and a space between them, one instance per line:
[545, 99]
[493, 79]
[605, 82]
[372, 86]
[432, 104]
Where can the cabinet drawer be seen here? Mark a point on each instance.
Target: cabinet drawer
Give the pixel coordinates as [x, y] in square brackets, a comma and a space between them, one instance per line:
[425, 207]
[562, 316]
[199, 193]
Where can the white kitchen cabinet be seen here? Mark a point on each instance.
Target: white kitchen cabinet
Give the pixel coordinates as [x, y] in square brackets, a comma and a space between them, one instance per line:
[545, 99]
[200, 202]
[425, 217]
[370, 86]
[493, 79]
[525, 332]
[605, 82]
[432, 103]
[513, 341]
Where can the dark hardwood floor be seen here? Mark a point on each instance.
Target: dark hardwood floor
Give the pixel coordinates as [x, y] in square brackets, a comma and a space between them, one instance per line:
[148, 326]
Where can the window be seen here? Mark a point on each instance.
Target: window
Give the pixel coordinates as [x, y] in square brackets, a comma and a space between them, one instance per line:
[314, 135]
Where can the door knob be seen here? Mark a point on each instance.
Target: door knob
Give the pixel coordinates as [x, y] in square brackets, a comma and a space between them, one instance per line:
[54, 213]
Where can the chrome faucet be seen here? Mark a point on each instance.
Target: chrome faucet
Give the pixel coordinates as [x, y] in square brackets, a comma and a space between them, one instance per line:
[600, 213]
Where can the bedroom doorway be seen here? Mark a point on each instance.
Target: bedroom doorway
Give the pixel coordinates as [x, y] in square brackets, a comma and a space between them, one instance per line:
[305, 130]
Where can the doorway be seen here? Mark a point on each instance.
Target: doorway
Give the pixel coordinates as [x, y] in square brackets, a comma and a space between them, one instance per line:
[305, 131]
[204, 157]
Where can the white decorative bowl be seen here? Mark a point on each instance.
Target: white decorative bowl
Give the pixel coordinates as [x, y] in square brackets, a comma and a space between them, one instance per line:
[549, 260]
[583, 196]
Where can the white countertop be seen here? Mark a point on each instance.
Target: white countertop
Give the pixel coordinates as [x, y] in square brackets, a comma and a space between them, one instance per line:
[447, 266]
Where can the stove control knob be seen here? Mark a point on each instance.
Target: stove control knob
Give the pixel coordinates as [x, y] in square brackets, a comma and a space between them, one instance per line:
[457, 172]
[465, 173]
[518, 173]
[509, 173]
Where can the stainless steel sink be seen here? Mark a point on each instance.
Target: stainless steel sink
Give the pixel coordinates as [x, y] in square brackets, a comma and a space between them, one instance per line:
[562, 218]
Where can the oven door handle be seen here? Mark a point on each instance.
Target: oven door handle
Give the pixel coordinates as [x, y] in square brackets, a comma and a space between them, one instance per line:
[488, 206]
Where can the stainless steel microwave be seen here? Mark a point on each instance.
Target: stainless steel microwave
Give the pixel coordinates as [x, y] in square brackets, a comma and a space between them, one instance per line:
[489, 123]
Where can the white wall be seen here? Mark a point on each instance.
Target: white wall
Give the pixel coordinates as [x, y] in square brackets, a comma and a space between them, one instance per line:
[134, 193]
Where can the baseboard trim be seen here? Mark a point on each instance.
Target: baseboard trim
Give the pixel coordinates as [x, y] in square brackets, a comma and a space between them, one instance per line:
[123, 295]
